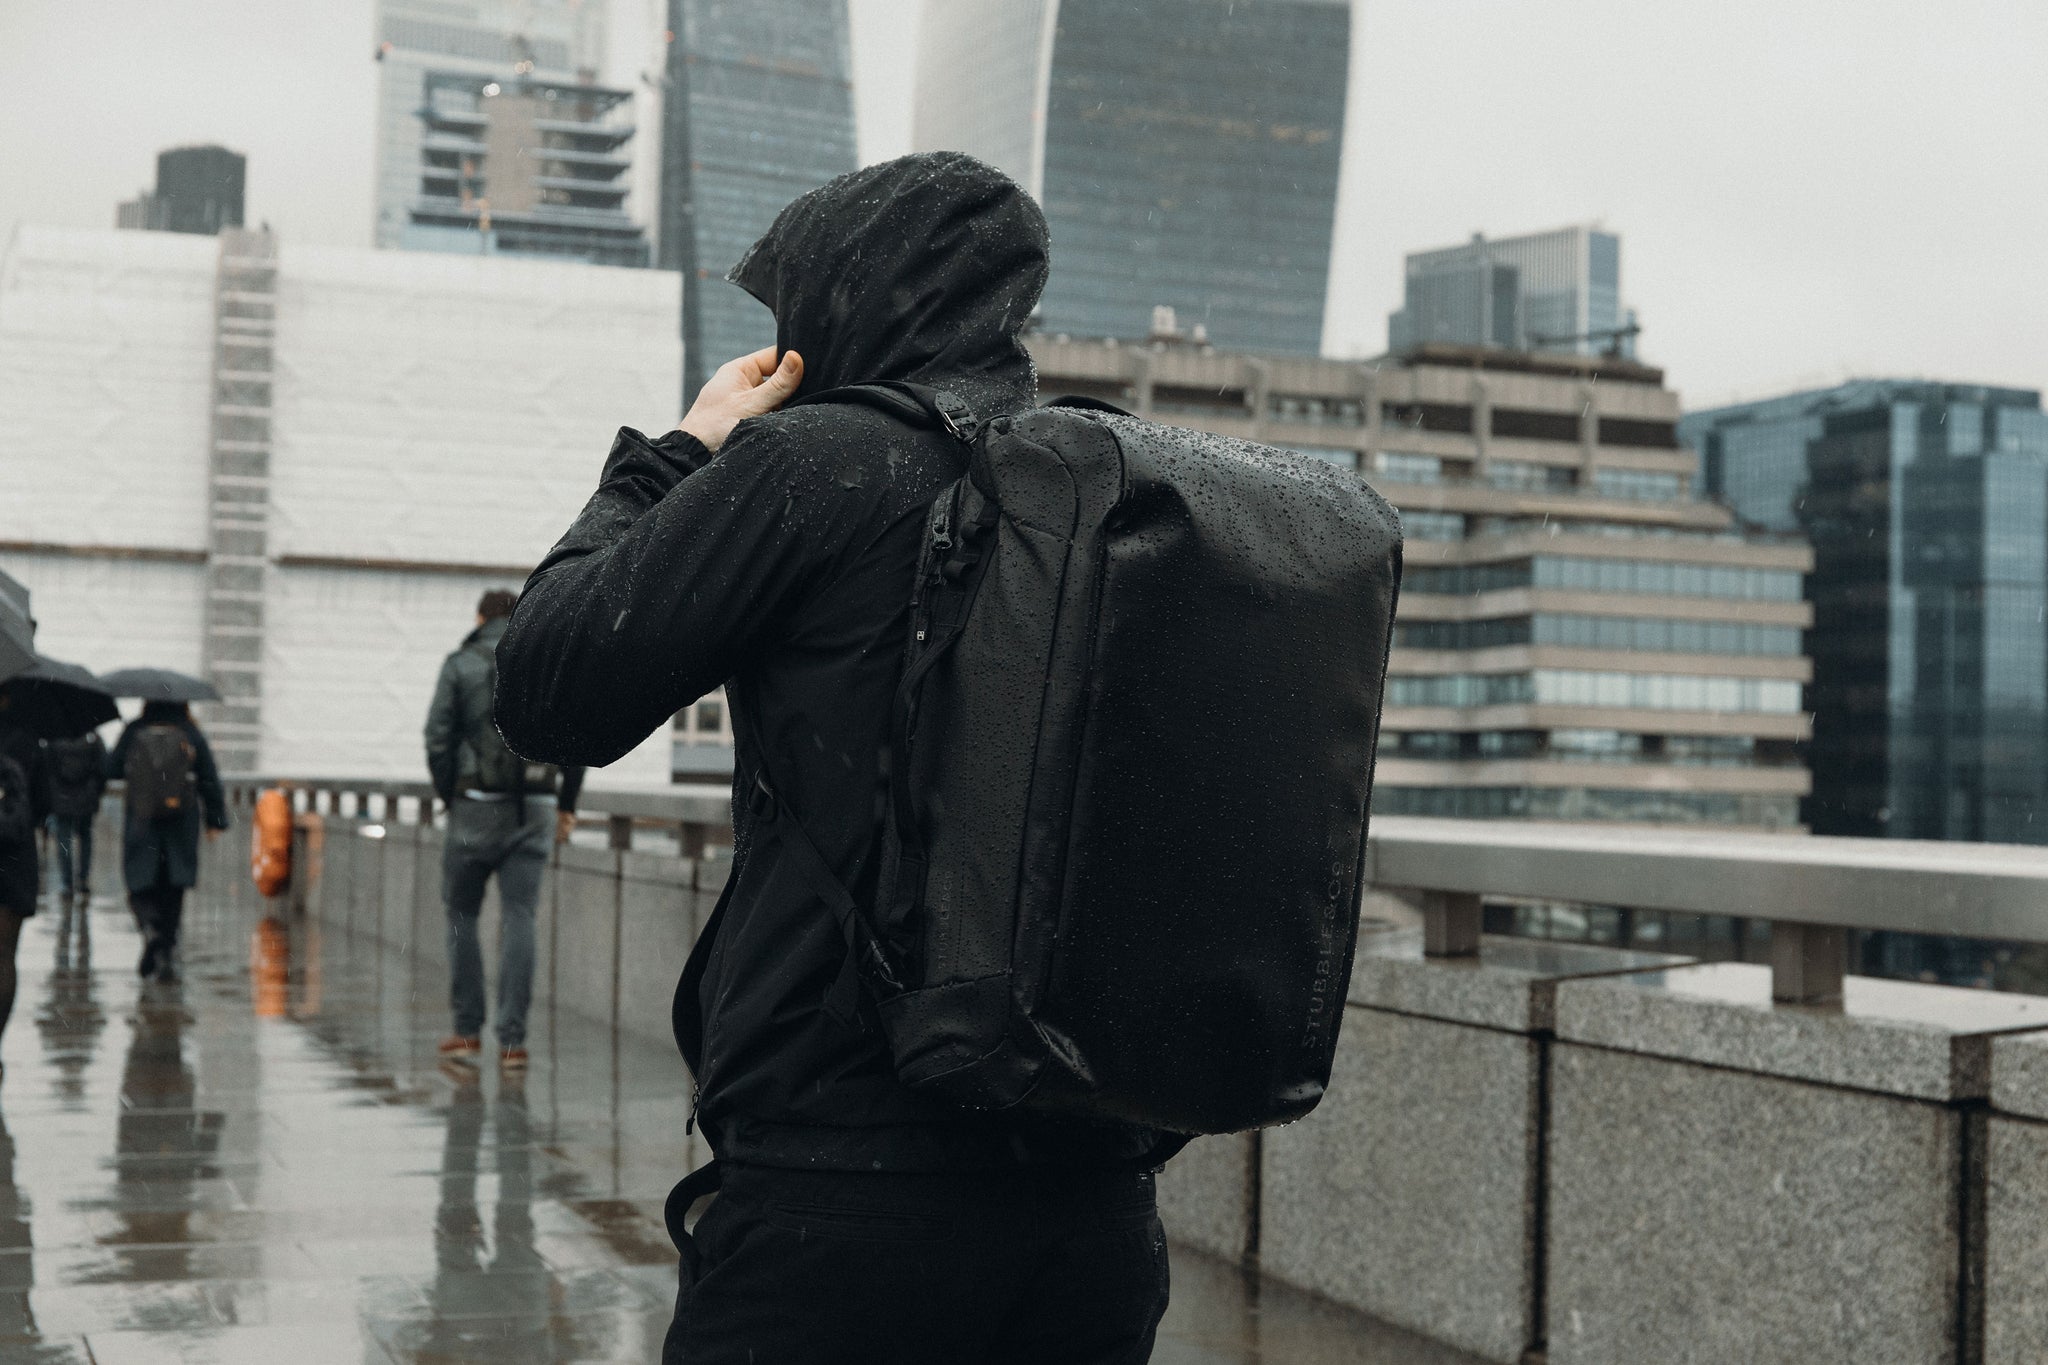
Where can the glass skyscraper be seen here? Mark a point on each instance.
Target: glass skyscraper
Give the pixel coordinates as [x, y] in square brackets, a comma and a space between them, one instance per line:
[1548, 291]
[1186, 153]
[1927, 508]
[758, 109]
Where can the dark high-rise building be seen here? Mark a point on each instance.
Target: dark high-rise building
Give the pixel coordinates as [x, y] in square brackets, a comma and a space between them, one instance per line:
[1186, 153]
[198, 189]
[1927, 507]
[758, 109]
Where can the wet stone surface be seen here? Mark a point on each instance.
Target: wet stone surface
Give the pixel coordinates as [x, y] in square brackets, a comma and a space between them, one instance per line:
[265, 1162]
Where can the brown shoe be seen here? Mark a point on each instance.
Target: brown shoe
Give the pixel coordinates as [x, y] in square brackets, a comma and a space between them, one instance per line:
[455, 1047]
[513, 1059]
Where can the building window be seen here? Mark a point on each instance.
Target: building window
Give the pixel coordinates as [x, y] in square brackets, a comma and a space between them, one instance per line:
[1639, 485]
[1433, 525]
[1344, 412]
[1397, 466]
[1451, 417]
[1524, 476]
[1528, 425]
[1633, 431]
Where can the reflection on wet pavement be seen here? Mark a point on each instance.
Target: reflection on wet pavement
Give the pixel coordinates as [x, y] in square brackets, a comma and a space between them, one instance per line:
[266, 1163]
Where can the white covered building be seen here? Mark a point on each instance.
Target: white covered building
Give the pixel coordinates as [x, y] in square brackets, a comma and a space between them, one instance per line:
[294, 469]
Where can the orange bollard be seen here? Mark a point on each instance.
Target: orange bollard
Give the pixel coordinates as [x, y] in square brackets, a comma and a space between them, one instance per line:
[270, 842]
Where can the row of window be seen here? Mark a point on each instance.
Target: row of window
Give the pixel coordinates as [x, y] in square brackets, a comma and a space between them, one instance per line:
[1530, 424]
[1590, 746]
[1581, 573]
[1457, 526]
[1651, 634]
[1528, 476]
[1589, 803]
[1591, 687]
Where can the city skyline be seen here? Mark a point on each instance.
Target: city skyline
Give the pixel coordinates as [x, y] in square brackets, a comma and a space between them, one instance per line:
[1731, 223]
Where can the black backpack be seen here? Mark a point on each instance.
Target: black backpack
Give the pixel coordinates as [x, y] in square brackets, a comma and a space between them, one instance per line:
[1131, 760]
[159, 772]
[17, 810]
[75, 776]
[498, 769]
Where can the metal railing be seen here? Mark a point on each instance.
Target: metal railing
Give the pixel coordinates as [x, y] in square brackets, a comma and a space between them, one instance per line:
[1811, 891]
[700, 818]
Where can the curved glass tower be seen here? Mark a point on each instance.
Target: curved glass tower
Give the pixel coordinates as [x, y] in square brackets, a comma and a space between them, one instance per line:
[1186, 151]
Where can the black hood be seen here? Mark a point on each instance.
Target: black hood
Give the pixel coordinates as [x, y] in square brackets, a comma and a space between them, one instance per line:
[923, 268]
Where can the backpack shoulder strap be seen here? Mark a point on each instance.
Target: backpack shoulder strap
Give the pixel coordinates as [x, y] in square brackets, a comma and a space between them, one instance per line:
[918, 404]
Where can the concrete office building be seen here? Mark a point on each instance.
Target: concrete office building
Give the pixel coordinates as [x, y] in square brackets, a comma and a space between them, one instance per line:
[1927, 507]
[1548, 291]
[549, 40]
[1186, 154]
[525, 167]
[198, 189]
[1580, 636]
[758, 108]
[304, 464]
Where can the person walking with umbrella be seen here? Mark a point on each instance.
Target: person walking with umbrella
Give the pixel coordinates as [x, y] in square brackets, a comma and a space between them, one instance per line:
[64, 705]
[173, 787]
[24, 805]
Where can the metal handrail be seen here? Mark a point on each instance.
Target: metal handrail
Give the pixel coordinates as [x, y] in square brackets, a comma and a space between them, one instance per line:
[1811, 890]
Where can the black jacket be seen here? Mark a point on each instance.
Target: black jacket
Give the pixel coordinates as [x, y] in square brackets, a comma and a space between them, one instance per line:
[20, 863]
[782, 569]
[462, 697]
[166, 852]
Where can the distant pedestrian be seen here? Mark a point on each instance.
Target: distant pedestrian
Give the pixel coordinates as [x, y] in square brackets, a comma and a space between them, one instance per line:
[24, 805]
[503, 814]
[173, 789]
[78, 779]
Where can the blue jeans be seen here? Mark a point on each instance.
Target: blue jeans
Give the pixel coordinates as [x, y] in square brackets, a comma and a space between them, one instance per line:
[486, 837]
[73, 840]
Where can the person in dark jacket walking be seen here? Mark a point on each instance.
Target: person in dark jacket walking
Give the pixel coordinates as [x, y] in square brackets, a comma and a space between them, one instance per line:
[24, 805]
[78, 779]
[502, 818]
[774, 552]
[173, 790]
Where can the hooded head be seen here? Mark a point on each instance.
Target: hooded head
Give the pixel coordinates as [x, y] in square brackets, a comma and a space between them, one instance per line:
[923, 268]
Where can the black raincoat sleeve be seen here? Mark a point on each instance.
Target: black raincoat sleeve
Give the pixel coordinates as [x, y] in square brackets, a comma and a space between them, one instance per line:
[443, 732]
[677, 568]
[207, 773]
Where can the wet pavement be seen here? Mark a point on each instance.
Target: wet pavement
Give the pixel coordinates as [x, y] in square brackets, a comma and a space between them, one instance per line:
[266, 1163]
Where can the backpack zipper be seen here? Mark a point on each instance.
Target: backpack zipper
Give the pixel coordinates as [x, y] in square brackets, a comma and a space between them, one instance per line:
[937, 544]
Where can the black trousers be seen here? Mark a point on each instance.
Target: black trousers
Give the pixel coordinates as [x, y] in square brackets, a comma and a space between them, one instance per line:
[159, 910]
[858, 1268]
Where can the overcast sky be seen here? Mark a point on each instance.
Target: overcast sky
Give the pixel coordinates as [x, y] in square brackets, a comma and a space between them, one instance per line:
[1804, 191]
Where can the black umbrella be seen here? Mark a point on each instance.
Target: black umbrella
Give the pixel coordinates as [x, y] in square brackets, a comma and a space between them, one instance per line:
[158, 684]
[57, 700]
[17, 629]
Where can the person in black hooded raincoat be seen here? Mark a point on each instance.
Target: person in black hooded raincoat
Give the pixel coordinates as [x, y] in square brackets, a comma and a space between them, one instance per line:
[773, 552]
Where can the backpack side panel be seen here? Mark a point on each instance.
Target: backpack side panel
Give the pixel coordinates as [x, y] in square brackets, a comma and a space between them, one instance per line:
[1209, 903]
[975, 761]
